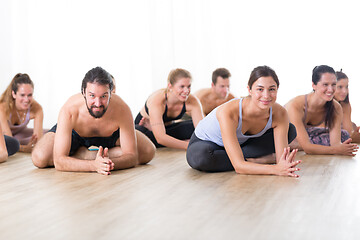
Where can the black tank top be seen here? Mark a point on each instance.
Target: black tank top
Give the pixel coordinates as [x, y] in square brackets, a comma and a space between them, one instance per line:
[165, 117]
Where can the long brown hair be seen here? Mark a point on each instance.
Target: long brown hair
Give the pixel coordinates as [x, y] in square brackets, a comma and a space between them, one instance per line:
[318, 71]
[7, 98]
[339, 76]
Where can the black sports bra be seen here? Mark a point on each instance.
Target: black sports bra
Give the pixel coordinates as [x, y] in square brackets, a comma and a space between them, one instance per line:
[165, 117]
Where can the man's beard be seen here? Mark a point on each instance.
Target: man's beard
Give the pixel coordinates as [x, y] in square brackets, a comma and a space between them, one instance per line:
[97, 114]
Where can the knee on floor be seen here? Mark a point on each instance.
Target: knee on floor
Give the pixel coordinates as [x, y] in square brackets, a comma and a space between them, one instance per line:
[146, 153]
[40, 159]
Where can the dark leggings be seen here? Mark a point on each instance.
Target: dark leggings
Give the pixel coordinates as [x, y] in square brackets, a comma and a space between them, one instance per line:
[210, 157]
[12, 145]
[181, 130]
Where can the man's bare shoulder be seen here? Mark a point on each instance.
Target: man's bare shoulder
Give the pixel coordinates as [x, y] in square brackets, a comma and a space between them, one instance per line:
[230, 96]
[117, 102]
[74, 102]
[203, 93]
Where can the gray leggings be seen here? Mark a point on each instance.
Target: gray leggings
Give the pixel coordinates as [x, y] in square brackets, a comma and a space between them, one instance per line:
[12, 145]
[210, 157]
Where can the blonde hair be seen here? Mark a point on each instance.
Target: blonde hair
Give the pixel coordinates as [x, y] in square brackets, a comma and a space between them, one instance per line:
[176, 74]
[7, 98]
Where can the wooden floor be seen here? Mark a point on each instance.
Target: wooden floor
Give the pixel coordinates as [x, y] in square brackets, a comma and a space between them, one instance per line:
[166, 199]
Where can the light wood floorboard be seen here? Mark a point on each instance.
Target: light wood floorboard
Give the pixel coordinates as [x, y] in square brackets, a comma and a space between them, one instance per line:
[166, 199]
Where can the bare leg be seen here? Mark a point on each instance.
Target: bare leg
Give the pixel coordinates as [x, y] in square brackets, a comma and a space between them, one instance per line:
[146, 149]
[42, 154]
[85, 154]
[268, 159]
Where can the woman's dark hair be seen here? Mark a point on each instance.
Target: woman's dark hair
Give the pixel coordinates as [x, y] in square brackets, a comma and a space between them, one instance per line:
[262, 71]
[317, 73]
[97, 75]
[339, 76]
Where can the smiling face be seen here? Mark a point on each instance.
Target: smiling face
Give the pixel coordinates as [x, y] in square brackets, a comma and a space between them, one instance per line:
[326, 86]
[181, 88]
[342, 89]
[221, 88]
[263, 92]
[97, 99]
[23, 97]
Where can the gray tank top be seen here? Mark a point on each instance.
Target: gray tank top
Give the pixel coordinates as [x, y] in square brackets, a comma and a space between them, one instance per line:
[15, 129]
[208, 129]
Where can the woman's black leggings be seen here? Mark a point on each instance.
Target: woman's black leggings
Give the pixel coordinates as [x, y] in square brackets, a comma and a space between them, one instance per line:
[12, 145]
[180, 130]
[210, 157]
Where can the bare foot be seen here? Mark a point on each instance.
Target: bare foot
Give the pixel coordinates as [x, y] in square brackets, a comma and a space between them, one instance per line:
[146, 123]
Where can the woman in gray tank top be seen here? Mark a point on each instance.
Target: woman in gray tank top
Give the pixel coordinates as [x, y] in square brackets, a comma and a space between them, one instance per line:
[244, 134]
[17, 108]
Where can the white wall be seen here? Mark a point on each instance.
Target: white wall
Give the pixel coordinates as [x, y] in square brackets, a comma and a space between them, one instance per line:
[140, 41]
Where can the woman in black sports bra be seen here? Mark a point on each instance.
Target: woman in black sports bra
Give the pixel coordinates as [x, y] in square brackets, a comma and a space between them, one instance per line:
[157, 118]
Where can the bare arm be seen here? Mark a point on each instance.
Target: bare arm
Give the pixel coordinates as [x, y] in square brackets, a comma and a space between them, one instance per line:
[38, 121]
[296, 114]
[128, 156]
[3, 150]
[281, 128]
[201, 95]
[157, 124]
[62, 144]
[348, 125]
[4, 121]
[195, 109]
[228, 124]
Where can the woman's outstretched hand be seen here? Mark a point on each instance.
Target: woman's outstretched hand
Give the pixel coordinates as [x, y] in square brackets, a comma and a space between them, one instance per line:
[286, 166]
[347, 148]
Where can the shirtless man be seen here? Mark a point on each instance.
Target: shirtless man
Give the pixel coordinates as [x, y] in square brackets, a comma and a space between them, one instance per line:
[218, 94]
[96, 117]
